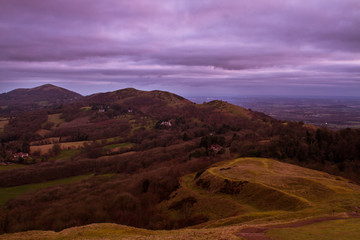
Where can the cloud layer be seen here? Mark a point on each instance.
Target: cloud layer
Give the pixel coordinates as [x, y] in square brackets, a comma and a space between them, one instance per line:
[190, 47]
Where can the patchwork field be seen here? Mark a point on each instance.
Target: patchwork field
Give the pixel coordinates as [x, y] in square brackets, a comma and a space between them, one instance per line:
[43, 149]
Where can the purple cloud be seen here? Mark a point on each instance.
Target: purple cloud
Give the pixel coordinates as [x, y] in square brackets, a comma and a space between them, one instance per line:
[183, 46]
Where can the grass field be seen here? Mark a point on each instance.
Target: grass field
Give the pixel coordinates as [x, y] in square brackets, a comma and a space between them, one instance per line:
[8, 193]
[117, 145]
[3, 123]
[114, 148]
[230, 108]
[42, 132]
[43, 149]
[66, 154]
[11, 166]
[55, 118]
[346, 229]
[85, 109]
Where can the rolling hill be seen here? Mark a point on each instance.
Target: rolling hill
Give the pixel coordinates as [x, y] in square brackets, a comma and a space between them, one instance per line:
[262, 190]
[156, 161]
[239, 195]
[45, 96]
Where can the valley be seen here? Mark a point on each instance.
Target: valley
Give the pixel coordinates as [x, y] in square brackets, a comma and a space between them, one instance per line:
[331, 112]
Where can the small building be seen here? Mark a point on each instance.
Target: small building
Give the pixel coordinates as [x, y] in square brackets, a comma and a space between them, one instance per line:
[216, 148]
[165, 123]
[20, 156]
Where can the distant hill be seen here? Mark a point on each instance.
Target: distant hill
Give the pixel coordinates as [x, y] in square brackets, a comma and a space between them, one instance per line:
[130, 93]
[27, 99]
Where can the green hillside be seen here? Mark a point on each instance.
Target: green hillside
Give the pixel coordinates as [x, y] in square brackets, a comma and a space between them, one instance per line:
[276, 199]
[261, 190]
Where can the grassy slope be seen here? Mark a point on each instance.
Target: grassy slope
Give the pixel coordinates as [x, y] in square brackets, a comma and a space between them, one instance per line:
[113, 231]
[3, 123]
[55, 118]
[11, 166]
[66, 154]
[290, 193]
[117, 146]
[12, 192]
[347, 229]
[274, 191]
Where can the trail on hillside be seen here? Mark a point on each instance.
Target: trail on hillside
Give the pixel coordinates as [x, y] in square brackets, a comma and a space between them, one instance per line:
[258, 233]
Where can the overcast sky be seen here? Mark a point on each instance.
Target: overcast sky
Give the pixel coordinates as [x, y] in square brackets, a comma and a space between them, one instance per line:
[204, 48]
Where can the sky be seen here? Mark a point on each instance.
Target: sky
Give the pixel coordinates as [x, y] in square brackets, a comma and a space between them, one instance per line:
[192, 48]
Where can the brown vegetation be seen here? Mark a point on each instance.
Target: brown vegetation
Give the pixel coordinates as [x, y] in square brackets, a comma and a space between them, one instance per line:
[128, 186]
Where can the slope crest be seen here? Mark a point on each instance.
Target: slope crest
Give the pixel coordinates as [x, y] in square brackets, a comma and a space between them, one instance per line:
[259, 189]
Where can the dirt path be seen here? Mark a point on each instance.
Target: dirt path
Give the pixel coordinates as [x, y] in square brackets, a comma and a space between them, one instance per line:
[258, 233]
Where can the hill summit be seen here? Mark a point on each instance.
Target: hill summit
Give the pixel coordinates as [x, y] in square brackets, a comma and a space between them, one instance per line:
[27, 99]
[142, 97]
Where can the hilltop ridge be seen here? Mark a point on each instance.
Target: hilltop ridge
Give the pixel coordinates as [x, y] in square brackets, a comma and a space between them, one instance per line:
[29, 99]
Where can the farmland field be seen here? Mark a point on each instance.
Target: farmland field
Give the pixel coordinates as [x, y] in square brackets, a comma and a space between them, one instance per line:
[66, 154]
[43, 149]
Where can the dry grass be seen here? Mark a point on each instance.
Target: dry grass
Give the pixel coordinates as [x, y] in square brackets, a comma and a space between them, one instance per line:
[42, 132]
[110, 231]
[346, 229]
[3, 123]
[230, 108]
[4, 167]
[44, 149]
[83, 121]
[271, 195]
[274, 191]
[55, 118]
